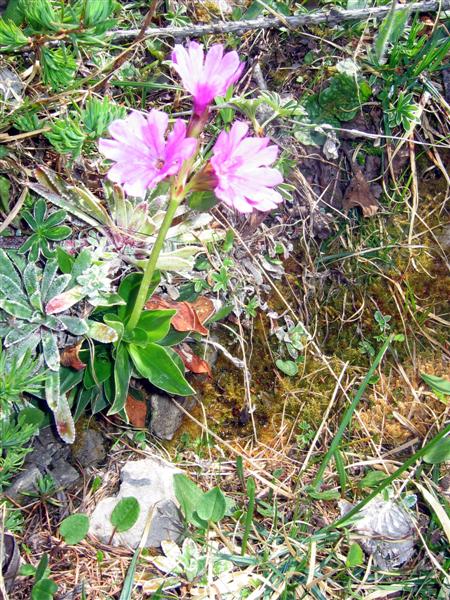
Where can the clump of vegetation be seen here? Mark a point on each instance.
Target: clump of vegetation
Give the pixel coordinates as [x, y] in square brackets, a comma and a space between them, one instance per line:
[258, 222]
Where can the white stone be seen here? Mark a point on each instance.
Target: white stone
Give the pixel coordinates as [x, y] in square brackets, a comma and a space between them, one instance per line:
[150, 481]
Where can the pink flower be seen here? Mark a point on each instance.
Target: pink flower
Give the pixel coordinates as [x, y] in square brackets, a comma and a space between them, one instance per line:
[143, 158]
[244, 179]
[206, 78]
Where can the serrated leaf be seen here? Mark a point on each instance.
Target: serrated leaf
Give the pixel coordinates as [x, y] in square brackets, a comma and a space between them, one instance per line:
[74, 528]
[125, 514]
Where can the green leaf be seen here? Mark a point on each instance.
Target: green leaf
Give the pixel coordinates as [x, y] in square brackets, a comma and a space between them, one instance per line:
[56, 234]
[439, 385]
[203, 201]
[58, 67]
[66, 136]
[122, 375]
[439, 453]
[156, 323]
[372, 479]
[325, 495]
[289, 367]
[355, 556]
[389, 31]
[212, 506]
[12, 37]
[74, 528]
[31, 416]
[41, 569]
[189, 497]
[125, 514]
[155, 364]
[128, 290]
[44, 589]
[97, 11]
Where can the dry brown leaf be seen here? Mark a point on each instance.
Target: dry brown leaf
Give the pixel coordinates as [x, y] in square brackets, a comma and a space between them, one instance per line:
[70, 358]
[136, 411]
[359, 194]
[186, 318]
[204, 307]
[191, 361]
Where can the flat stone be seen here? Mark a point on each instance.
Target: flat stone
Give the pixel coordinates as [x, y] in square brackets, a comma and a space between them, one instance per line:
[25, 482]
[150, 481]
[64, 474]
[166, 417]
[47, 447]
[89, 449]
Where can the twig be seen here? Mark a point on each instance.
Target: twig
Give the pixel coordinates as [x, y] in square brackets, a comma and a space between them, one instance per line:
[330, 17]
[15, 211]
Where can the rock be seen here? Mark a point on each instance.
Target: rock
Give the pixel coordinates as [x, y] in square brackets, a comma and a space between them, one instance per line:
[166, 417]
[10, 558]
[49, 457]
[386, 530]
[89, 449]
[150, 481]
[64, 474]
[25, 482]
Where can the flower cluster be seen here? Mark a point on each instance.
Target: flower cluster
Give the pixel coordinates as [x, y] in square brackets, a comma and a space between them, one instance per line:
[239, 170]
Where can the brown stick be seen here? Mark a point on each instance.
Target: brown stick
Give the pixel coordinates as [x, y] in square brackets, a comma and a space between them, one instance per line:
[330, 17]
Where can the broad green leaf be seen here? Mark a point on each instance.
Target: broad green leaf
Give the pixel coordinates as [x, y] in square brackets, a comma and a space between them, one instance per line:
[125, 514]
[155, 364]
[10, 289]
[20, 333]
[44, 589]
[74, 528]
[325, 495]
[50, 350]
[57, 286]
[212, 506]
[74, 325]
[7, 268]
[372, 479]
[56, 234]
[437, 384]
[101, 332]
[31, 416]
[122, 375]
[42, 567]
[156, 323]
[31, 279]
[439, 453]
[50, 270]
[128, 289]
[355, 556]
[98, 370]
[389, 31]
[189, 497]
[203, 201]
[16, 308]
[289, 367]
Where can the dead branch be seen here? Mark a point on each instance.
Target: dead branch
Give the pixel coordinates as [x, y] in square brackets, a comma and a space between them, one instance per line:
[330, 17]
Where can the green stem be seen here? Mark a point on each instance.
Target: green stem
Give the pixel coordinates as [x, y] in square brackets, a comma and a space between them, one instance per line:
[349, 413]
[150, 267]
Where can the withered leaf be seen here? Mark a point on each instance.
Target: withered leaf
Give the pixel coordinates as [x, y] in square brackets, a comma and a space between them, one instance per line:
[70, 358]
[136, 411]
[186, 318]
[359, 194]
[191, 361]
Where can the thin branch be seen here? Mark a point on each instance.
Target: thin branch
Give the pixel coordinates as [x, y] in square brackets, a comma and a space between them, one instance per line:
[330, 17]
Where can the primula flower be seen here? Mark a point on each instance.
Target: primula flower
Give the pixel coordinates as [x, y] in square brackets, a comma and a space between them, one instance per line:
[206, 77]
[244, 179]
[143, 158]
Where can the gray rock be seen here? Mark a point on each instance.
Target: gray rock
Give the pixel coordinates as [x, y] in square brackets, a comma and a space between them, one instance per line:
[46, 449]
[89, 449]
[64, 474]
[25, 482]
[150, 481]
[166, 417]
[384, 530]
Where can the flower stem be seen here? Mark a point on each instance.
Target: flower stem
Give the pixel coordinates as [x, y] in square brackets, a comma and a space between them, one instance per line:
[149, 270]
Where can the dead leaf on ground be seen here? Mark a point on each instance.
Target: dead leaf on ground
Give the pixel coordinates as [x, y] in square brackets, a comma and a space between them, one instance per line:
[136, 411]
[189, 316]
[360, 195]
[191, 361]
[70, 358]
